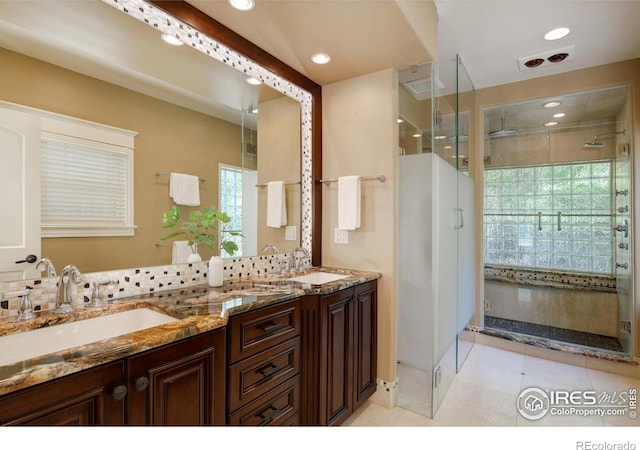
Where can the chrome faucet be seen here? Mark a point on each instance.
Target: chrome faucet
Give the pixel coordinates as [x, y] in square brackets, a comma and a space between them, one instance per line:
[96, 301]
[294, 265]
[64, 298]
[48, 267]
[273, 248]
[25, 307]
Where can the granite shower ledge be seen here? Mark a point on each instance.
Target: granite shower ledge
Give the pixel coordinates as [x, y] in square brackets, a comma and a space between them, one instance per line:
[198, 310]
[545, 278]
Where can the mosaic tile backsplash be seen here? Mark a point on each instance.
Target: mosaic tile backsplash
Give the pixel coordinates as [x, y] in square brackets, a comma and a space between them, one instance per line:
[137, 281]
[566, 280]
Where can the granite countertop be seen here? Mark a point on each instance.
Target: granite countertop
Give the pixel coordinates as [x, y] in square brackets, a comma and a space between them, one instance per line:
[198, 310]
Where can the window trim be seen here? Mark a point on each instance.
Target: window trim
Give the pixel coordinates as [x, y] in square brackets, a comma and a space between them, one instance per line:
[76, 131]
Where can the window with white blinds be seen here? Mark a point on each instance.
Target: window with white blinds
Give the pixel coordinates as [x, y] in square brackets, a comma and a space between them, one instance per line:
[86, 187]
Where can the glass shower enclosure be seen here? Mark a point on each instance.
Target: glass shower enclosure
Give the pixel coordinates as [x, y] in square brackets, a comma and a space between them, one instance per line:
[436, 236]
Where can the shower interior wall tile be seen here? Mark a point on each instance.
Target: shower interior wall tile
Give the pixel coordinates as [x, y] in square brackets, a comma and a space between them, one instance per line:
[588, 311]
[580, 310]
[505, 303]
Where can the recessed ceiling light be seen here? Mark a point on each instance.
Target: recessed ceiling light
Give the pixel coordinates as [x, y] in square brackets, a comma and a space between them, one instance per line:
[242, 5]
[400, 120]
[447, 147]
[440, 137]
[417, 135]
[320, 58]
[553, 123]
[254, 111]
[552, 104]
[559, 115]
[556, 34]
[171, 39]
[254, 81]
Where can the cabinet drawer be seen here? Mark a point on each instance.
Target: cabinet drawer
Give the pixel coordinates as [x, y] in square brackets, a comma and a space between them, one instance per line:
[255, 331]
[275, 408]
[257, 375]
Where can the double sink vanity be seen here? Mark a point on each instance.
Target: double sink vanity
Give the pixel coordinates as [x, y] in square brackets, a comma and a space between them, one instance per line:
[257, 351]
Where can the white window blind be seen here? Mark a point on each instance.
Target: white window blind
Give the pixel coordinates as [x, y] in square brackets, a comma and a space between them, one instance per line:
[86, 187]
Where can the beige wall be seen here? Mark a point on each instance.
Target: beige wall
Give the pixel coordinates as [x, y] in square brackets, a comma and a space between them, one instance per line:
[626, 72]
[170, 139]
[360, 138]
[279, 158]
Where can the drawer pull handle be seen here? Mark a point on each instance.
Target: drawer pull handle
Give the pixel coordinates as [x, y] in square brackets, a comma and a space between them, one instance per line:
[266, 372]
[271, 327]
[268, 418]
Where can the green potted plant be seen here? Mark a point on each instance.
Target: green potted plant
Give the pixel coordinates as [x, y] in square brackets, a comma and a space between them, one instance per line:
[200, 229]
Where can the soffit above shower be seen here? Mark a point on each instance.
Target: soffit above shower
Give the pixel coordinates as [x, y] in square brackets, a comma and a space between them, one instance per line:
[580, 109]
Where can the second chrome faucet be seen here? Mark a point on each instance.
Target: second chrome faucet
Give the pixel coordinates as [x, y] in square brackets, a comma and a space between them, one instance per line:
[64, 298]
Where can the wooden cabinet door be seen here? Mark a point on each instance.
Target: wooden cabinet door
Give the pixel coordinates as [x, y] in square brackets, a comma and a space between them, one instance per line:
[365, 346]
[336, 368]
[179, 384]
[86, 398]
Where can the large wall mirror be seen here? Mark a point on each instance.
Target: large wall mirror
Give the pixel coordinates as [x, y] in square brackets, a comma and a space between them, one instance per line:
[191, 106]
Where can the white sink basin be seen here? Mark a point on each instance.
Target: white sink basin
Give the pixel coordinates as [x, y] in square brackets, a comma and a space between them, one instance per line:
[318, 278]
[42, 341]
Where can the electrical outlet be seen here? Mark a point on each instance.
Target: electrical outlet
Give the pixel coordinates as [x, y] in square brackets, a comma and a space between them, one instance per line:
[290, 233]
[487, 305]
[340, 236]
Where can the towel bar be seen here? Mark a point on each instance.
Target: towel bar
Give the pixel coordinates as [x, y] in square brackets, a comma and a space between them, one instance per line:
[162, 174]
[286, 182]
[380, 178]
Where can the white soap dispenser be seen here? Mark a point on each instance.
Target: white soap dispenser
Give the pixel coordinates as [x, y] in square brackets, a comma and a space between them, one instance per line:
[215, 271]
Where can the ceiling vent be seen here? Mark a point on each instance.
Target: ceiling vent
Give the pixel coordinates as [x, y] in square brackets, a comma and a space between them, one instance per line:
[546, 59]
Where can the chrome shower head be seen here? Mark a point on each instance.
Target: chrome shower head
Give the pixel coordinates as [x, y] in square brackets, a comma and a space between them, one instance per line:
[593, 144]
[502, 131]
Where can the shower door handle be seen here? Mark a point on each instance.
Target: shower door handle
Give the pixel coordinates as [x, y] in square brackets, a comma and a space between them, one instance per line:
[622, 266]
[460, 215]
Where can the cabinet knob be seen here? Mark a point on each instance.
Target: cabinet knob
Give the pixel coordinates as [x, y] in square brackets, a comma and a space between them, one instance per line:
[141, 383]
[119, 392]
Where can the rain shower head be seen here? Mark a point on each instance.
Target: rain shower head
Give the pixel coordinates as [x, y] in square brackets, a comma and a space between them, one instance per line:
[594, 142]
[502, 131]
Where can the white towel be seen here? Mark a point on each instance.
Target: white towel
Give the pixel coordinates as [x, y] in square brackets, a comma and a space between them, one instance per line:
[184, 189]
[276, 204]
[349, 202]
[180, 252]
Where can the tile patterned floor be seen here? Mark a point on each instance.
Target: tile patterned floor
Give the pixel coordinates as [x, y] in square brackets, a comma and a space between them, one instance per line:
[485, 393]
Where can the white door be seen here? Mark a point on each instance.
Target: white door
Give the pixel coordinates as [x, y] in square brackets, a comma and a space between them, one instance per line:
[19, 194]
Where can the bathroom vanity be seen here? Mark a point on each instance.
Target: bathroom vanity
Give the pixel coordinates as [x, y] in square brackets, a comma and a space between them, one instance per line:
[257, 351]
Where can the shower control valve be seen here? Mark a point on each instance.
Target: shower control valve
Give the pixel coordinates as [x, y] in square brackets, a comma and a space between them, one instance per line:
[623, 209]
[624, 192]
[623, 228]
[622, 265]
[623, 246]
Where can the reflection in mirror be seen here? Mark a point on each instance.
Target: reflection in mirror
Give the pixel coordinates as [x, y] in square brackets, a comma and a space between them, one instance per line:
[90, 61]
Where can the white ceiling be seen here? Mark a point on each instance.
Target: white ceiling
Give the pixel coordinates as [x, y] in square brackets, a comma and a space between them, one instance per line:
[362, 36]
[490, 35]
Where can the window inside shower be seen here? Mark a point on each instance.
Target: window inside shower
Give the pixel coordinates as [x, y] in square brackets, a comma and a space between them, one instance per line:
[557, 220]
